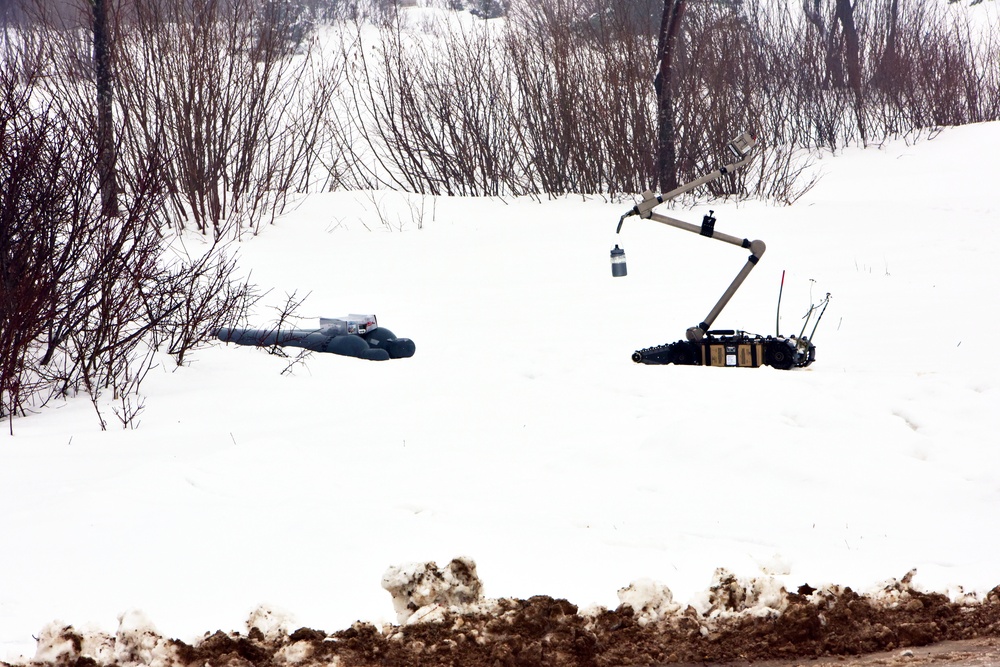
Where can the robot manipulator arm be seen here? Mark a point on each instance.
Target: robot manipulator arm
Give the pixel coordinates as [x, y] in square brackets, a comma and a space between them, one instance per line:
[741, 148]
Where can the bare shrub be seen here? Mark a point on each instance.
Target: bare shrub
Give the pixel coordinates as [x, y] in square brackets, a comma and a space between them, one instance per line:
[73, 276]
[585, 105]
[558, 101]
[921, 63]
[558, 97]
[88, 298]
[479, 110]
[434, 111]
[933, 69]
[199, 295]
[26, 282]
[213, 85]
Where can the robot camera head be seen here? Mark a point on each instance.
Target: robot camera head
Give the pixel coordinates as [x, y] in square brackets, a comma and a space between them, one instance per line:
[741, 146]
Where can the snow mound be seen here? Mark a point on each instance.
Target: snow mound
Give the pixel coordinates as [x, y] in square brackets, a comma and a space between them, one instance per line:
[58, 643]
[650, 601]
[136, 642]
[729, 595]
[271, 622]
[423, 592]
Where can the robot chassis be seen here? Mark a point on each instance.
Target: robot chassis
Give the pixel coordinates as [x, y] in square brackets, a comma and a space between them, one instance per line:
[703, 345]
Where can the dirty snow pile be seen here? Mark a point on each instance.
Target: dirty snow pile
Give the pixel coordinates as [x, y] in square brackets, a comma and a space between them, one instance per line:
[427, 593]
[136, 642]
[423, 592]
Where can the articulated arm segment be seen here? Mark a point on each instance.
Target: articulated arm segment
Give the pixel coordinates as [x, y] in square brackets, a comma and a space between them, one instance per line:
[757, 249]
[740, 147]
[708, 229]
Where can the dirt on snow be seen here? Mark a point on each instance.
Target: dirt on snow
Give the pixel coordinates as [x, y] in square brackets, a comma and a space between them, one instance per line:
[839, 627]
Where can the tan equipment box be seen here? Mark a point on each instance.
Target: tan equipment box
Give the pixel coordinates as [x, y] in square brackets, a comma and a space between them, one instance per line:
[750, 355]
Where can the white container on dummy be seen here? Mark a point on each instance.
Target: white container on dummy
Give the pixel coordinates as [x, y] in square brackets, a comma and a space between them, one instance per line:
[349, 324]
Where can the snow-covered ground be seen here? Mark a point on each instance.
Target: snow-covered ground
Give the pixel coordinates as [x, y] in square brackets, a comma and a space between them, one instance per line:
[522, 436]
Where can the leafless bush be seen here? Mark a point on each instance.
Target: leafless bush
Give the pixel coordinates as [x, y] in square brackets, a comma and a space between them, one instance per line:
[433, 111]
[27, 284]
[557, 101]
[585, 105]
[71, 274]
[199, 296]
[88, 298]
[938, 69]
[921, 65]
[212, 84]
[786, 74]
[556, 98]
[288, 315]
[491, 111]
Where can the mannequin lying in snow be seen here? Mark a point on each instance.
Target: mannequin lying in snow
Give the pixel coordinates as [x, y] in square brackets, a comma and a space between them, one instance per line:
[350, 336]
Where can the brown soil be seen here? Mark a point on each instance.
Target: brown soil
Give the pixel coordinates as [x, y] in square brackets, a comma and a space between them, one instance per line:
[843, 628]
[546, 631]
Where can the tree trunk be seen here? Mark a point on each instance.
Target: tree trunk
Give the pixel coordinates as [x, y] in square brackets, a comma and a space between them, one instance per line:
[833, 75]
[888, 66]
[666, 162]
[106, 152]
[845, 13]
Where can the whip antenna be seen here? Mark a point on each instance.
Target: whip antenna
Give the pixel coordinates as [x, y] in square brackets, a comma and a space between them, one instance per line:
[777, 315]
